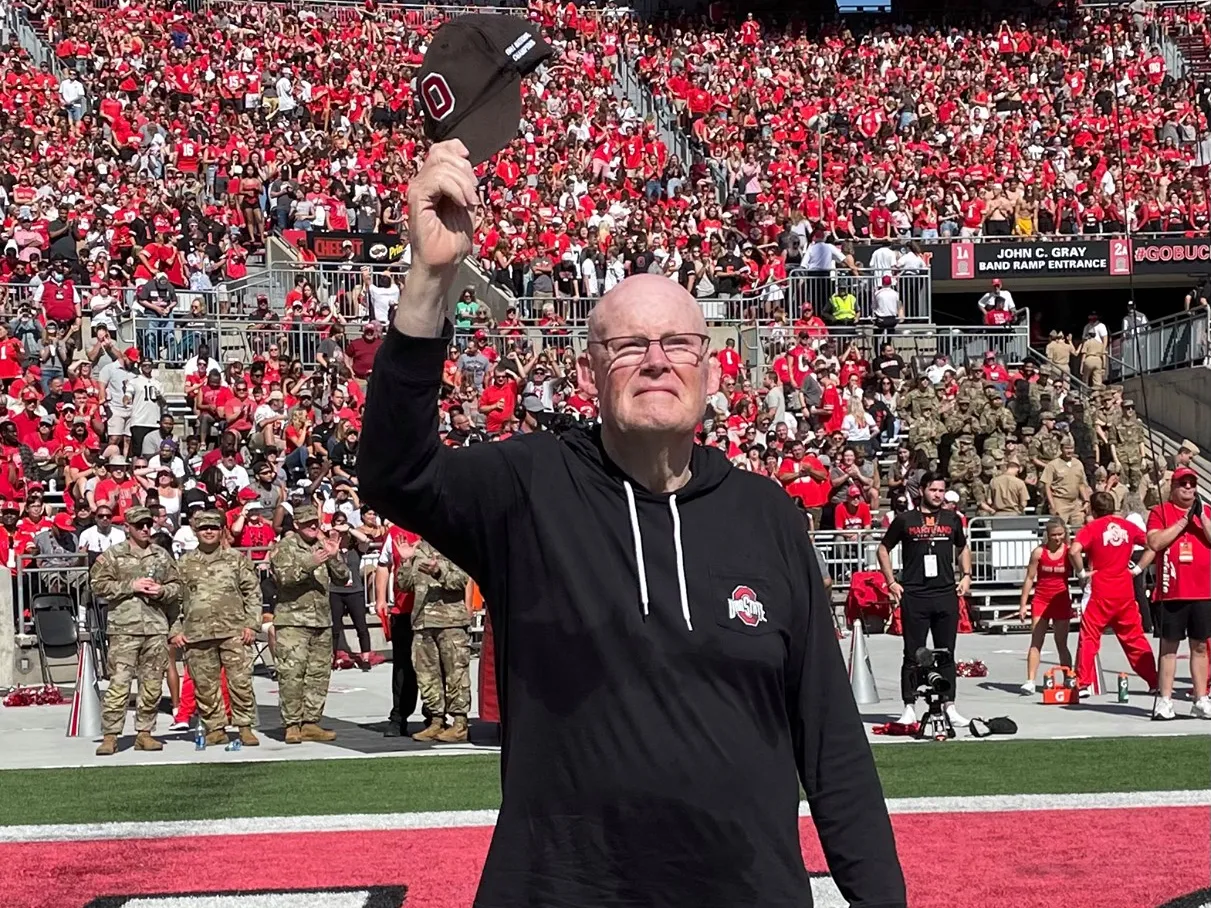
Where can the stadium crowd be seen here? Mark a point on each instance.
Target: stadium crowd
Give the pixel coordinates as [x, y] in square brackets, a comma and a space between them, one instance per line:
[176, 140]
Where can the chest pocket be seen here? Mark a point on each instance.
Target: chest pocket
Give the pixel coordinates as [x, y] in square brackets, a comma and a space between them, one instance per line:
[749, 605]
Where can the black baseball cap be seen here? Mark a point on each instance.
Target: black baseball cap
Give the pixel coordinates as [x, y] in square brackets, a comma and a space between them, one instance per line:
[470, 82]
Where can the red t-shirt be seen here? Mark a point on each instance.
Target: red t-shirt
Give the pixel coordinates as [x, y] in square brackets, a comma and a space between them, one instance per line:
[1184, 569]
[1108, 542]
[857, 519]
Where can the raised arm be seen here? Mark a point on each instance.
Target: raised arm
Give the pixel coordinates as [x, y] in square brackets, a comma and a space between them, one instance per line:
[457, 499]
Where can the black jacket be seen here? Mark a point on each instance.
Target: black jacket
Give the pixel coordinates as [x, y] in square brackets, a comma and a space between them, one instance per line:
[668, 670]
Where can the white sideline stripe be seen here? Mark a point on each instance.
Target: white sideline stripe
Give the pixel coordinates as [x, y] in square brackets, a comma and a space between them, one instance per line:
[375, 822]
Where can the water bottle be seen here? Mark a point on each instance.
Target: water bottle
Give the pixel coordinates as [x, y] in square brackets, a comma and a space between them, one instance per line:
[235, 745]
[1122, 687]
[199, 737]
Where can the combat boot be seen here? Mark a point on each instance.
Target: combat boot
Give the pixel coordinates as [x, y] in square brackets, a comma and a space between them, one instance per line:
[108, 746]
[144, 741]
[294, 735]
[431, 731]
[215, 738]
[456, 733]
[247, 738]
[312, 732]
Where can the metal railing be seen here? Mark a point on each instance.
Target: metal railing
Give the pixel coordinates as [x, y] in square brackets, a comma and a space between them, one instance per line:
[1173, 342]
[1000, 550]
[344, 286]
[759, 345]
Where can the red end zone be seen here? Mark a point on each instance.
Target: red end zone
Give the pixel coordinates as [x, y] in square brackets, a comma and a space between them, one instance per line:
[1120, 858]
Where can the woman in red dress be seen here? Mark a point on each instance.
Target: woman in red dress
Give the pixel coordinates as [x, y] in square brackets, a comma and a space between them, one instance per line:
[1051, 606]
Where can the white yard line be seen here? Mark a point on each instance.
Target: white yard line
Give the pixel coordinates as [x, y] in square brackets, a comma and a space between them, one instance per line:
[472, 818]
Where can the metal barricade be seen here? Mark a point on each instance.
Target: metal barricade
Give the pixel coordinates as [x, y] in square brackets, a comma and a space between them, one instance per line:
[347, 287]
[50, 575]
[1000, 550]
[1174, 342]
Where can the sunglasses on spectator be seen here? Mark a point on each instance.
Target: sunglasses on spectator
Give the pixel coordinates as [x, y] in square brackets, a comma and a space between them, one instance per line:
[142, 525]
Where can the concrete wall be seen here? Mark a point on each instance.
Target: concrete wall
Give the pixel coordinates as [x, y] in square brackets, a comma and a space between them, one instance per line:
[1178, 402]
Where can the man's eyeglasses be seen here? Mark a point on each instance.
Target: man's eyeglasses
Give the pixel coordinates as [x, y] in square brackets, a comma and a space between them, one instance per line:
[104, 516]
[680, 349]
[142, 525]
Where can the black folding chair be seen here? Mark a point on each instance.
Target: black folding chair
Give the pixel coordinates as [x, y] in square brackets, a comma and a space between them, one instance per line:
[55, 626]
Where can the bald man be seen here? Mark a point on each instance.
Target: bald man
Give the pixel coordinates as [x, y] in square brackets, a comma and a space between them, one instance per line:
[661, 701]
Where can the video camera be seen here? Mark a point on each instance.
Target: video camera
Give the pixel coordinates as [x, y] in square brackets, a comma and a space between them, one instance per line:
[927, 675]
[931, 684]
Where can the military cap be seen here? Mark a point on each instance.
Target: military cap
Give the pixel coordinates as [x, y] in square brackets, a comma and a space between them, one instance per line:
[1128, 403]
[207, 519]
[306, 514]
[988, 461]
[1027, 431]
[1188, 445]
[1100, 473]
[136, 515]
[967, 437]
[1113, 468]
[1046, 414]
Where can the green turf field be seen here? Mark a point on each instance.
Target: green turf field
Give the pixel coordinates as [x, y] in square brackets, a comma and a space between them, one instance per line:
[403, 784]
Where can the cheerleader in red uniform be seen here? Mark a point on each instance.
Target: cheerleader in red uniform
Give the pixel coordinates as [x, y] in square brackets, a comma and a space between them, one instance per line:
[1051, 606]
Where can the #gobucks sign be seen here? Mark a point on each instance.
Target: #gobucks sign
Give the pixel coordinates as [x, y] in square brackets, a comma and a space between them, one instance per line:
[363, 897]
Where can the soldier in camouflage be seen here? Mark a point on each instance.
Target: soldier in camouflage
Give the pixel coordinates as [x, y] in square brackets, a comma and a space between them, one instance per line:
[998, 424]
[1130, 445]
[140, 582]
[441, 642]
[963, 468]
[304, 564]
[924, 433]
[222, 614]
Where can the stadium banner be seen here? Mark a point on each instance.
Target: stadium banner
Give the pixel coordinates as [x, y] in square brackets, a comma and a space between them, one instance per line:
[371, 248]
[1171, 255]
[966, 260]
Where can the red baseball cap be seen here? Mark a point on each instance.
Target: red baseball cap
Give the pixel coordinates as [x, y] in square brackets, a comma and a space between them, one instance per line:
[1184, 473]
[854, 492]
[132, 354]
[246, 494]
[63, 522]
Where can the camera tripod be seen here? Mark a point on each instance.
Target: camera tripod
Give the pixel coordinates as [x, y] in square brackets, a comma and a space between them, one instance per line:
[935, 724]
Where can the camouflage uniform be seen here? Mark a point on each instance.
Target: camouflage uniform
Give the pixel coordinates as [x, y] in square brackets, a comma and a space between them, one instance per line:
[441, 643]
[222, 598]
[964, 466]
[138, 626]
[999, 425]
[981, 487]
[925, 432]
[1128, 438]
[303, 622]
[920, 399]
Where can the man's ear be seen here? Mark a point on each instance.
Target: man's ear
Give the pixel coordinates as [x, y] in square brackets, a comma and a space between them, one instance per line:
[585, 380]
[714, 376]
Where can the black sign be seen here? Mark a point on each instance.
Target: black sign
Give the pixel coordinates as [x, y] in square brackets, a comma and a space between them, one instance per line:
[1179, 255]
[967, 260]
[371, 248]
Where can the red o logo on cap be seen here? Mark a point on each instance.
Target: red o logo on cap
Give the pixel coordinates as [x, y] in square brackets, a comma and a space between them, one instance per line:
[436, 95]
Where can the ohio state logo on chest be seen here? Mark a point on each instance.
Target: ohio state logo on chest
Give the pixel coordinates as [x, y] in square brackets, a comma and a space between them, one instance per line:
[744, 604]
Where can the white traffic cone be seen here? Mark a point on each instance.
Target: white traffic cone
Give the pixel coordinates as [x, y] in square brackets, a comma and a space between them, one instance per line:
[85, 718]
[861, 677]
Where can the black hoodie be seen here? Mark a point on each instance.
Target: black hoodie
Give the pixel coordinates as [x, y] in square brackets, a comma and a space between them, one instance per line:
[667, 666]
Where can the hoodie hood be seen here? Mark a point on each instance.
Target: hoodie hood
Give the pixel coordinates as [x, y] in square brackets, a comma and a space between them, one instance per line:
[708, 469]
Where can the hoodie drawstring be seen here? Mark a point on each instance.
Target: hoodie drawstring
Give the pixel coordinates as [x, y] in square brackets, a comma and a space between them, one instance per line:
[685, 599]
[637, 539]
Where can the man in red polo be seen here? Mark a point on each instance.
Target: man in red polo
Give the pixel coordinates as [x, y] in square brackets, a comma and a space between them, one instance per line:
[1106, 544]
[1178, 531]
